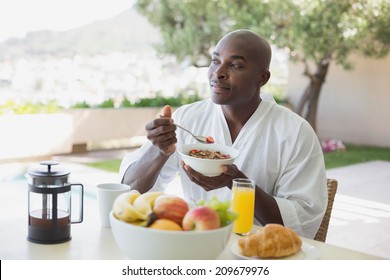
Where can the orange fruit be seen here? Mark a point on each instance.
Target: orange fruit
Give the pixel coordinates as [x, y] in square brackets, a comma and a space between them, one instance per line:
[165, 224]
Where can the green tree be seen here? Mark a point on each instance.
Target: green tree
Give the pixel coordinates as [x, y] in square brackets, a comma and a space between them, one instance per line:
[314, 32]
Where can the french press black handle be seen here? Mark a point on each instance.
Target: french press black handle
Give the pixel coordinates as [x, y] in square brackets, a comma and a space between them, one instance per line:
[81, 212]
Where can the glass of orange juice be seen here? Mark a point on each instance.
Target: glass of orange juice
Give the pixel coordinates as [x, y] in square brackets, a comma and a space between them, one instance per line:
[243, 203]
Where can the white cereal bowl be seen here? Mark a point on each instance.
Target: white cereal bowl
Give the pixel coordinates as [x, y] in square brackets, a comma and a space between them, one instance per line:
[208, 167]
[141, 243]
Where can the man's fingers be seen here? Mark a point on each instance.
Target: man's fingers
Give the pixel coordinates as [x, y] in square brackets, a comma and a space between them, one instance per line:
[158, 123]
[230, 170]
[166, 112]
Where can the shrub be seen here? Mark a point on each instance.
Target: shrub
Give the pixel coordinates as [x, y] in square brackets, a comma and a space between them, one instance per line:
[160, 101]
[28, 107]
[81, 105]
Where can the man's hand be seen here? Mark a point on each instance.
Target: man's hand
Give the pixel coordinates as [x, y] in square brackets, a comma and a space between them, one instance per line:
[229, 172]
[161, 132]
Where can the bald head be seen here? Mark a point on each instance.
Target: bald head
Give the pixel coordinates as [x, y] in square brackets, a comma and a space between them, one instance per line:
[239, 68]
[258, 48]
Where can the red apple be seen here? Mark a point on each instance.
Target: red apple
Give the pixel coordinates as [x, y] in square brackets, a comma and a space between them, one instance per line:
[170, 207]
[201, 218]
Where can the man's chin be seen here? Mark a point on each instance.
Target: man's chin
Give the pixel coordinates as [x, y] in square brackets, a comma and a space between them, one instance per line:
[220, 99]
[217, 100]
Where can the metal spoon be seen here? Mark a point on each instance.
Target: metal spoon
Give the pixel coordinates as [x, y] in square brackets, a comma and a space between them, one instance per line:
[202, 139]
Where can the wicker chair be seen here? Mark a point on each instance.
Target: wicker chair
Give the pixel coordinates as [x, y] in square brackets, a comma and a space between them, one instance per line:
[323, 230]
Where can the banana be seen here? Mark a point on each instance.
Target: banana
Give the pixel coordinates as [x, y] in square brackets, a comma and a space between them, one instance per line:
[144, 203]
[129, 214]
[140, 223]
[124, 210]
[133, 195]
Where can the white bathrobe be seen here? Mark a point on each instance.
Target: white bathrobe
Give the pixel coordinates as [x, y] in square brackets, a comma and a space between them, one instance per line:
[278, 150]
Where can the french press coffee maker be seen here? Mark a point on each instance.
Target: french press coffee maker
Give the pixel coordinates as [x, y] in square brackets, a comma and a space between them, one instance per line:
[50, 204]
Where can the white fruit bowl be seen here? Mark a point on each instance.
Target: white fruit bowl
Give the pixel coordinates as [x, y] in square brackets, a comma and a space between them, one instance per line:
[207, 167]
[140, 243]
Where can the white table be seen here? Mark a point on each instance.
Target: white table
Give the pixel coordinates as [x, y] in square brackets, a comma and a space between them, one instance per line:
[89, 240]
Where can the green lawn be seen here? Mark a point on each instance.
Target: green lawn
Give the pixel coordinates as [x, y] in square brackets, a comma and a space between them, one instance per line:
[353, 154]
[111, 165]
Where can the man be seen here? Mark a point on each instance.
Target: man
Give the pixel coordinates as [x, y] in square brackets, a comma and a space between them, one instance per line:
[278, 149]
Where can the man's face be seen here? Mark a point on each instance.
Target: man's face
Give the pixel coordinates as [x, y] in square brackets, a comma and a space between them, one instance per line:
[234, 73]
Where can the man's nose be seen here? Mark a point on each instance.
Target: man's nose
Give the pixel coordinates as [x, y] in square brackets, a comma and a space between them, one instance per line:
[220, 72]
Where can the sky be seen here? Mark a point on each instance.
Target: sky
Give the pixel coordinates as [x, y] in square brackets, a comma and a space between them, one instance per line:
[20, 16]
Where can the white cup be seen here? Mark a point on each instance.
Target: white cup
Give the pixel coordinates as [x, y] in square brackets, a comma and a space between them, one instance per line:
[106, 195]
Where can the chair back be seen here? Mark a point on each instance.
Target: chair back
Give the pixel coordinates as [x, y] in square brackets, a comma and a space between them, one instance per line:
[323, 230]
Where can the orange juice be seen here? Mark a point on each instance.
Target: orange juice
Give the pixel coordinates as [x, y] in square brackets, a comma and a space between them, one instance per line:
[243, 203]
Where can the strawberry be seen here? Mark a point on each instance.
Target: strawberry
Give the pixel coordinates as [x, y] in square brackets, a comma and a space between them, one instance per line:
[209, 139]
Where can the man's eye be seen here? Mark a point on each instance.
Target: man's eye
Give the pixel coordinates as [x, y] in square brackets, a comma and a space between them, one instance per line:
[236, 66]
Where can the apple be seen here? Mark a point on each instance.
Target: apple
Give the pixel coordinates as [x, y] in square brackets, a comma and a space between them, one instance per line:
[170, 207]
[201, 218]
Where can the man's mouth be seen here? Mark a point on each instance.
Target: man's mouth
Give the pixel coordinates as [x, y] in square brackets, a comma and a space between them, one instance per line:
[219, 86]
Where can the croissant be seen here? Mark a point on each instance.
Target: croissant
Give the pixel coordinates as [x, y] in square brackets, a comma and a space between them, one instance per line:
[271, 241]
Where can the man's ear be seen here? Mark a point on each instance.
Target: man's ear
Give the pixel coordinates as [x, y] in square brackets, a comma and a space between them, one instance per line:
[264, 77]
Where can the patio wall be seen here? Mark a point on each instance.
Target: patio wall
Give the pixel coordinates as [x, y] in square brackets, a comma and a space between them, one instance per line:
[35, 135]
[106, 124]
[354, 105]
[42, 135]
